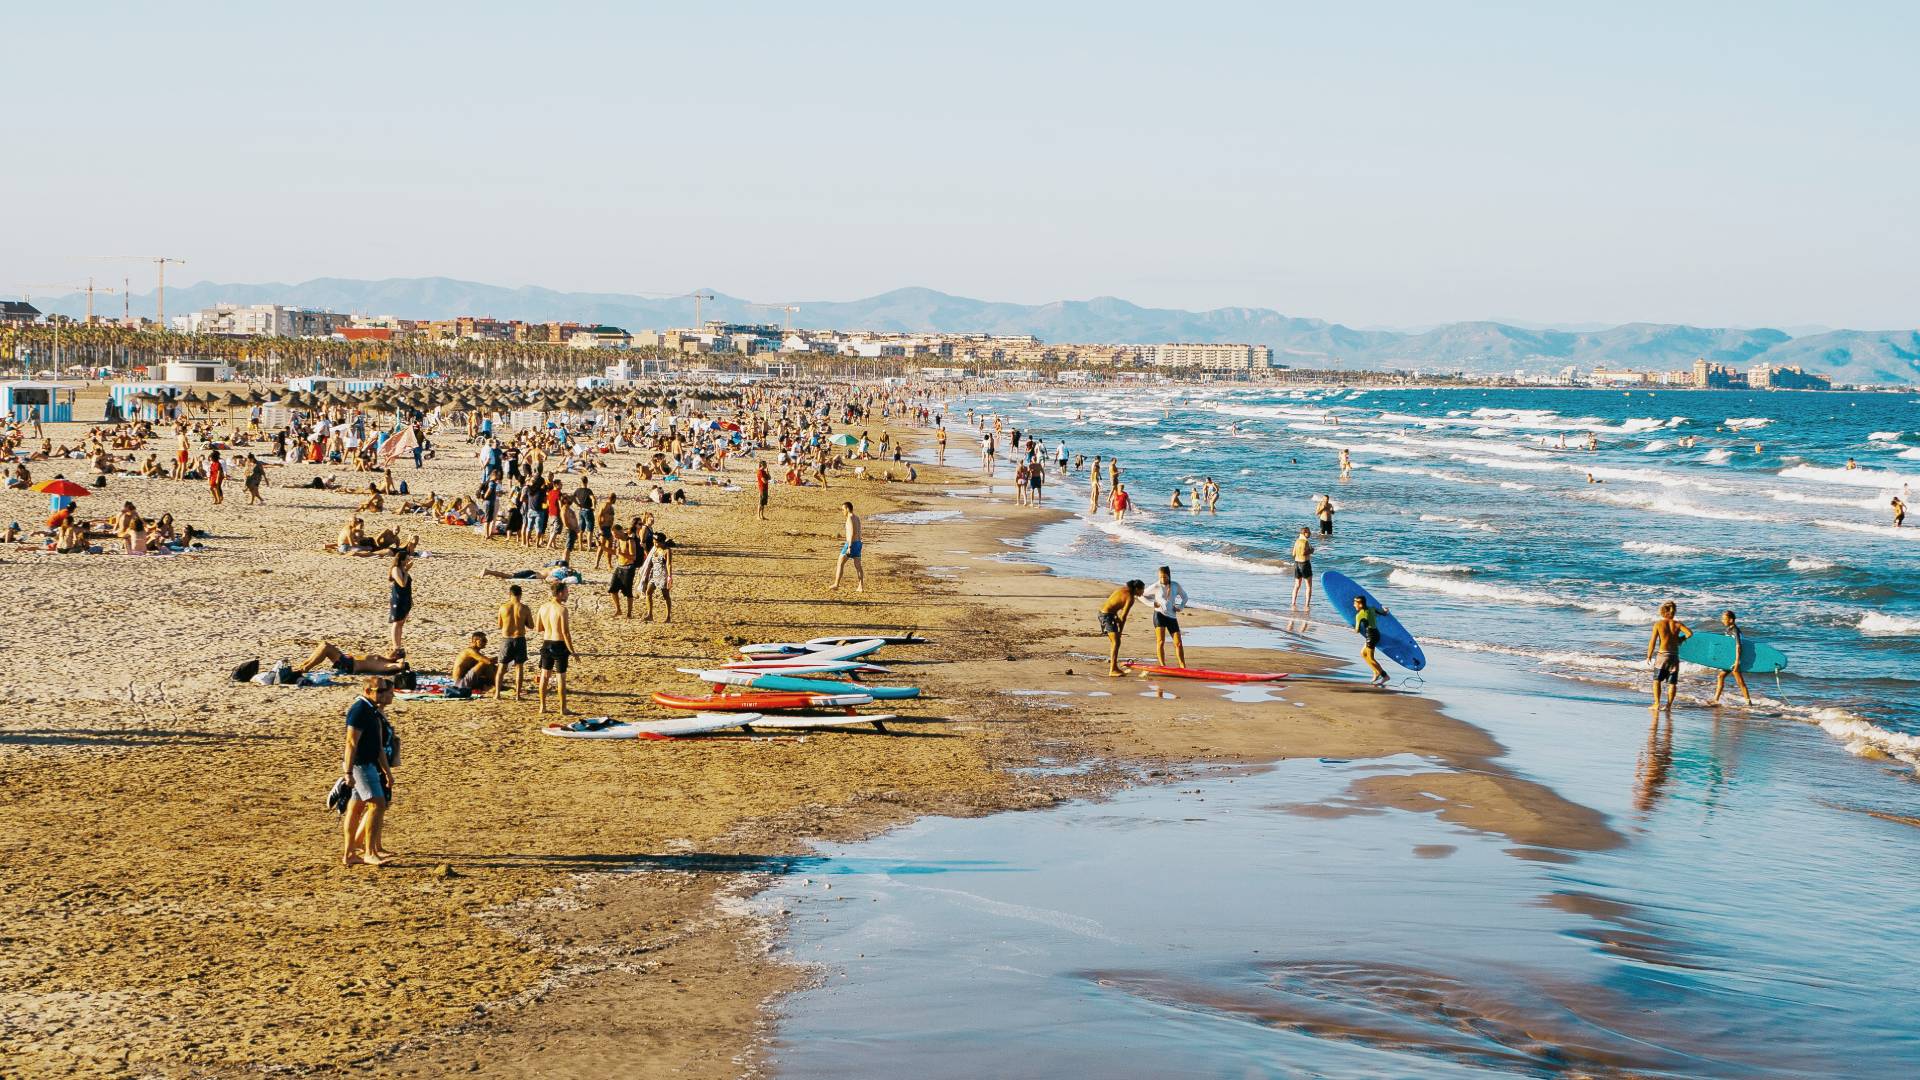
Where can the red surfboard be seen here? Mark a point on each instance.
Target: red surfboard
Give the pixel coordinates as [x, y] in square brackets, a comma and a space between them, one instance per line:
[1205, 673]
[759, 701]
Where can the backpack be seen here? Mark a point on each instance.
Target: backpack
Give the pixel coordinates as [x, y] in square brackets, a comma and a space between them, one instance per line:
[245, 672]
[406, 679]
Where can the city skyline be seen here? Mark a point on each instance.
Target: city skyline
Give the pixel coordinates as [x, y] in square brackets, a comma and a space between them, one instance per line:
[1658, 166]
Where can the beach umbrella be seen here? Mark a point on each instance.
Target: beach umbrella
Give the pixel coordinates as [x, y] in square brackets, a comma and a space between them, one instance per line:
[843, 439]
[61, 486]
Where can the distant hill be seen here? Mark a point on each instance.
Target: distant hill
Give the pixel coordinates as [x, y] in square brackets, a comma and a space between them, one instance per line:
[1859, 356]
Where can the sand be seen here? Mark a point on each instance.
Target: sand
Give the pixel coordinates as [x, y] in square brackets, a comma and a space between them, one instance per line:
[171, 898]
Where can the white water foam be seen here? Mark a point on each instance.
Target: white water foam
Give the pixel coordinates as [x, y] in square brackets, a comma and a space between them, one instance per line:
[1627, 613]
[1430, 568]
[1884, 436]
[1808, 563]
[1584, 661]
[1871, 530]
[1867, 739]
[1168, 546]
[1471, 526]
[1876, 624]
[1747, 423]
[1668, 504]
[1873, 478]
[1655, 547]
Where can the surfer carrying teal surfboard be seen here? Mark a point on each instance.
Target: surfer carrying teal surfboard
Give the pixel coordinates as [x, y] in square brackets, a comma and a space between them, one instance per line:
[1366, 623]
[1668, 633]
[1720, 685]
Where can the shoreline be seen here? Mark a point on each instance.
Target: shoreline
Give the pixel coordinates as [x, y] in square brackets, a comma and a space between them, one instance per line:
[664, 972]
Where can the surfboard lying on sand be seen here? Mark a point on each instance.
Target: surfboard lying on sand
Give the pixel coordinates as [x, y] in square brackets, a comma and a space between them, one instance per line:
[802, 723]
[801, 665]
[604, 727]
[1205, 673]
[1395, 643]
[762, 681]
[1716, 651]
[838, 649]
[753, 701]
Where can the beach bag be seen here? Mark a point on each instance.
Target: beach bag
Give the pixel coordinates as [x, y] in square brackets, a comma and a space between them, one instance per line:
[245, 672]
[339, 795]
[406, 679]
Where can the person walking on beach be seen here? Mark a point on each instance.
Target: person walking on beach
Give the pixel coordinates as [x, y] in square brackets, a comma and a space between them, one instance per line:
[256, 476]
[1113, 620]
[1121, 501]
[656, 576]
[1366, 623]
[1732, 628]
[1167, 598]
[366, 767]
[761, 480]
[1093, 481]
[1668, 633]
[556, 645]
[399, 594]
[513, 619]
[850, 547]
[216, 477]
[1302, 567]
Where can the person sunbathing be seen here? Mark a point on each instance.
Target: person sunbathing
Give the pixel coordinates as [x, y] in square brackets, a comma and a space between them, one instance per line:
[373, 503]
[353, 538]
[71, 538]
[345, 663]
[20, 477]
[129, 526]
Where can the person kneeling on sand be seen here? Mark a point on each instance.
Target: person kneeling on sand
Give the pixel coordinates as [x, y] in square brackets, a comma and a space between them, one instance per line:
[367, 768]
[1113, 620]
[345, 663]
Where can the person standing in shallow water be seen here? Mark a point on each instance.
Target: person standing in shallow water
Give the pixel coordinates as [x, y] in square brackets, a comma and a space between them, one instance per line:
[1719, 687]
[1668, 633]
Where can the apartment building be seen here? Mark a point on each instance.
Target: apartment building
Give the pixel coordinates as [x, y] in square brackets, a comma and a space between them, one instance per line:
[1208, 356]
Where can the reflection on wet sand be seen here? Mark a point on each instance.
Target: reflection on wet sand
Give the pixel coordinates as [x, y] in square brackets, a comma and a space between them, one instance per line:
[1509, 1024]
[1651, 772]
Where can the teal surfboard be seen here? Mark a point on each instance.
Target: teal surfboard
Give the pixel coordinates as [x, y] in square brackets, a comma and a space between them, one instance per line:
[1395, 643]
[832, 686]
[1716, 651]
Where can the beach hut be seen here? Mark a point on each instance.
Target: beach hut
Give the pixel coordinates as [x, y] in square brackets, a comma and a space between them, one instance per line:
[184, 369]
[20, 397]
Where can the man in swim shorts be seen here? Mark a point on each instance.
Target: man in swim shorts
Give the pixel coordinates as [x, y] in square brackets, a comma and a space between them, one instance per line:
[1668, 633]
[850, 549]
[1302, 567]
[513, 620]
[1167, 598]
[556, 646]
[473, 669]
[1113, 620]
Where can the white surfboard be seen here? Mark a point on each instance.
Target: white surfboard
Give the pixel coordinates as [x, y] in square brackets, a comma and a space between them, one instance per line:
[798, 665]
[793, 723]
[838, 649]
[698, 723]
[722, 677]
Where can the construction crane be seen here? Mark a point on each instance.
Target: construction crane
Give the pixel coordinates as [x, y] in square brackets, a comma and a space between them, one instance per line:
[160, 264]
[697, 297]
[89, 287]
[787, 324]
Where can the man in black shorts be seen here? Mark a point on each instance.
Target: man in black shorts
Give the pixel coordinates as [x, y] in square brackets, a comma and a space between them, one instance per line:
[556, 646]
[1302, 567]
[1167, 598]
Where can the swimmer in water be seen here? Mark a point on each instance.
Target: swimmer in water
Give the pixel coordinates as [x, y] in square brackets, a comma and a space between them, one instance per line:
[1176, 503]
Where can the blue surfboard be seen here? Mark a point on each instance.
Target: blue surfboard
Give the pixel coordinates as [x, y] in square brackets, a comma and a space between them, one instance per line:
[833, 686]
[1395, 643]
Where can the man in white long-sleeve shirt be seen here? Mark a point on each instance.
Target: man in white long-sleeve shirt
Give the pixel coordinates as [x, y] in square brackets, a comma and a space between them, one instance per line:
[1167, 598]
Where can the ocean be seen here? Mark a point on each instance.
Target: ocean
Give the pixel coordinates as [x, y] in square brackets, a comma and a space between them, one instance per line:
[1756, 921]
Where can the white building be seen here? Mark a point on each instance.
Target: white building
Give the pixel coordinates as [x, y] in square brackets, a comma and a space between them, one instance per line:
[600, 337]
[261, 320]
[1208, 356]
[182, 369]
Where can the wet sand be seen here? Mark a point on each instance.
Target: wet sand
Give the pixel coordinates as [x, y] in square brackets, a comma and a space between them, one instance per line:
[171, 895]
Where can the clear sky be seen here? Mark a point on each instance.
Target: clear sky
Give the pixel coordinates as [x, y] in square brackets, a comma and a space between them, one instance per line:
[1376, 164]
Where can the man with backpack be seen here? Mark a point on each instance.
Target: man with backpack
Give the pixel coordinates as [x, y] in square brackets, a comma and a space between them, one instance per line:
[368, 767]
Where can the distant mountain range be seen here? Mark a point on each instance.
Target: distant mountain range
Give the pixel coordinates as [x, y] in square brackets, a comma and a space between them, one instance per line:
[1850, 356]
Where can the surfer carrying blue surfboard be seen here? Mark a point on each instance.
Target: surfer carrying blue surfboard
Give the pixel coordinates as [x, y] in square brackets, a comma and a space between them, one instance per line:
[1366, 623]
[1720, 685]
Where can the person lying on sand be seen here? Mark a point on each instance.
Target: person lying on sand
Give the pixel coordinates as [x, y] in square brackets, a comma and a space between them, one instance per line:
[345, 663]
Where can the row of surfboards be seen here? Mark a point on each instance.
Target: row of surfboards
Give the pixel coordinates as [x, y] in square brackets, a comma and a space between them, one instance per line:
[776, 686]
